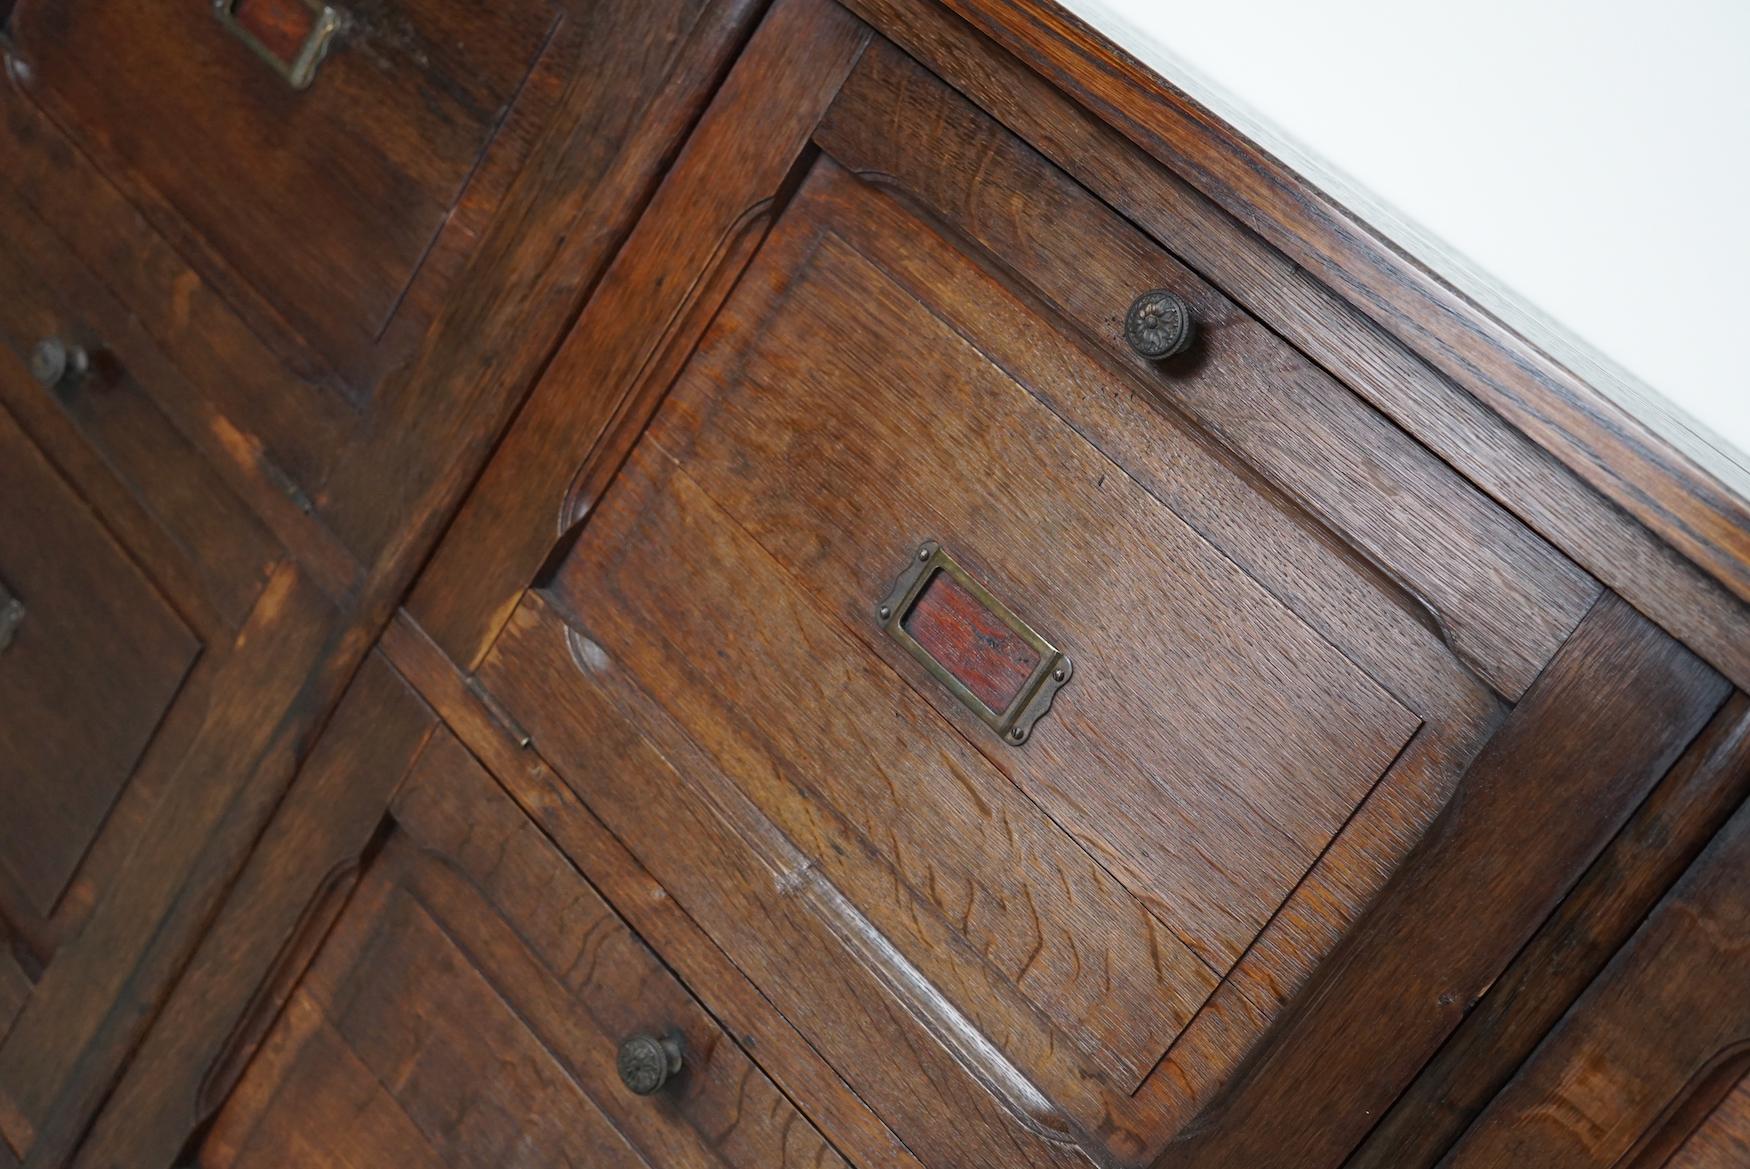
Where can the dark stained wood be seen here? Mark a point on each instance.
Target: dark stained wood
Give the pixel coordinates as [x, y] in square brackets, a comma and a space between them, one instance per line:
[105, 279]
[1349, 794]
[1513, 469]
[468, 1008]
[1588, 431]
[93, 657]
[1595, 732]
[136, 935]
[1277, 980]
[1499, 595]
[1365, 613]
[377, 479]
[929, 840]
[175, 514]
[773, 1042]
[622, 116]
[710, 213]
[1660, 1036]
[611, 119]
[1723, 1139]
[280, 908]
[811, 953]
[324, 207]
[1647, 856]
[832, 460]
[229, 372]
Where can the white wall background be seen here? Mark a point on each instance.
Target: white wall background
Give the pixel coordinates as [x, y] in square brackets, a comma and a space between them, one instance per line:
[1582, 167]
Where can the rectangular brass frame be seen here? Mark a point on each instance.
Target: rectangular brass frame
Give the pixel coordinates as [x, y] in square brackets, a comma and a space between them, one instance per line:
[1014, 724]
[301, 70]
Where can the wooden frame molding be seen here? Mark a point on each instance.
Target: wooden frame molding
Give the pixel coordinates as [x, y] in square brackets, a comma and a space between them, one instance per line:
[1595, 437]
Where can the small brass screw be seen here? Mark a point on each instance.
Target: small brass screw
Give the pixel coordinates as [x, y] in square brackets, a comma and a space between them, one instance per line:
[1018, 734]
[1058, 675]
[886, 612]
[923, 553]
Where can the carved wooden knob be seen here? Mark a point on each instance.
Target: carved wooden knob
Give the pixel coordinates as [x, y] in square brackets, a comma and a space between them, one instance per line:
[1159, 324]
[54, 363]
[647, 1062]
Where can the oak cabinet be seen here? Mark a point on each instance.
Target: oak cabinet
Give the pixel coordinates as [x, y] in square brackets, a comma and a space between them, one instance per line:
[870, 586]
[256, 338]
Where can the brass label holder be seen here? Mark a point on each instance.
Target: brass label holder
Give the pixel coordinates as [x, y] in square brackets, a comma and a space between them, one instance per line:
[298, 67]
[1031, 697]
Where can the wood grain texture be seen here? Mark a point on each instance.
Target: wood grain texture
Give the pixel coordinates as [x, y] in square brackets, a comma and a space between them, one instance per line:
[132, 935]
[831, 457]
[482, 987]
[1646, 858]
[227, 370]
[933, 844]
[1601, 725]
[868, 305]
[802, 943]
[410, 100]
[1355, 605]
[649, 908]
[1723, 1139]
[701, 226]
[378, 486]
[1619, 1079]
[279, 910]
[1500, 596]
[895, 123]
[636, 79]
[110, 437]
[87, 673]
[1589, 432]
[1516, 472]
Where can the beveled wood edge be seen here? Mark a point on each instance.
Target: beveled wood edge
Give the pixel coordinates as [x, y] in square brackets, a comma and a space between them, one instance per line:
[1605, 722]
[1617, 454]
[1655, 848]
[1683, 1043]
[342, 613]
[774, 1045]
[268, 926]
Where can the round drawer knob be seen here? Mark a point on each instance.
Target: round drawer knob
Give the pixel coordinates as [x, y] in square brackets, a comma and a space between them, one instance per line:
[55, 363]
[647, 1062]
[1159, 324]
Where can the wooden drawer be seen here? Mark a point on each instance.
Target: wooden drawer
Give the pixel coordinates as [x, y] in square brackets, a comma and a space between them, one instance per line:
[1651, 1068]
[353, 281]
[1286, 632]
[99, 411]
[334, 205]
[309, 314]
[467, 1008]
[91, 657]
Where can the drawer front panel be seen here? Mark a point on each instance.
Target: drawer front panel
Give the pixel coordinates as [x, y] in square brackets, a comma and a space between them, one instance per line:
[325, 201]
[851, 487]
[1649, 1067]
[469, 1007]
[1076, 900]
[103, 421]
[91, 658]
[858, 420]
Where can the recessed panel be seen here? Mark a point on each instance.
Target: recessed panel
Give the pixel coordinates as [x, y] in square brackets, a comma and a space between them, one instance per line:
[90, 658]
